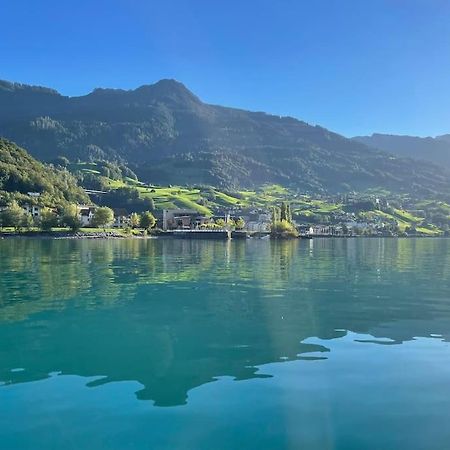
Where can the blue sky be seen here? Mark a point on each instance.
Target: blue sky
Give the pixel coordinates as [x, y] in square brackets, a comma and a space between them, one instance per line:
[354, 66]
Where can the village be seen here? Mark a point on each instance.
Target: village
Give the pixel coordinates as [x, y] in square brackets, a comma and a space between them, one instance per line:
[236, 222]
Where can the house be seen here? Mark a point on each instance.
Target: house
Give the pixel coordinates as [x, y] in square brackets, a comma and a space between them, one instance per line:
[325, 230]
[357, 225]
[34, 210]
[258, 222]
[303, 229]
[182, 219]
[121, 218]
[86, 214]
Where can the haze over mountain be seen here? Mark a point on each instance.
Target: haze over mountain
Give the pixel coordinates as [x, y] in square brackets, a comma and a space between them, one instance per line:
[436, 150]
[168, 135]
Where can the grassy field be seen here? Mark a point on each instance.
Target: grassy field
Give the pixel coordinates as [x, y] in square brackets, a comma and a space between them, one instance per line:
[208, 200]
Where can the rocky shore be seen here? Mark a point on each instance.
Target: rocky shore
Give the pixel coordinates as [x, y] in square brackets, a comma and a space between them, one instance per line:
[69, 235]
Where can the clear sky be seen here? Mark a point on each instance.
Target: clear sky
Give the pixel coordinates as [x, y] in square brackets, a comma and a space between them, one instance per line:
[354, 66]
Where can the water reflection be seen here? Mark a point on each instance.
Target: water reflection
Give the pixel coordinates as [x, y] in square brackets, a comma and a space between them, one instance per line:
[175, 314]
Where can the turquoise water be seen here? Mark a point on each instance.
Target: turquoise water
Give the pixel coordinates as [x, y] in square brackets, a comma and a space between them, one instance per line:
[176, 344]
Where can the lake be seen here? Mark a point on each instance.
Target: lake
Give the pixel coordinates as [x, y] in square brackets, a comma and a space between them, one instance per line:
[178, 344]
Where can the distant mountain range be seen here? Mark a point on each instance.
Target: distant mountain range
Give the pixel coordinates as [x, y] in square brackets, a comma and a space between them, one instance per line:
[168, 135]
[436, 150]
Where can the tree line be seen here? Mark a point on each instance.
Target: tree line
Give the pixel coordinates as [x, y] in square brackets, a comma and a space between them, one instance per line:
[14, 216]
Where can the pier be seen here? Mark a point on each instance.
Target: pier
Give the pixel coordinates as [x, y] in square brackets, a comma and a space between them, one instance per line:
[202, 234]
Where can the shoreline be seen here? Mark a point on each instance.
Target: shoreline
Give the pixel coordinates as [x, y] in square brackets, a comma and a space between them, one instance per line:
[69, 235]
[117, 235]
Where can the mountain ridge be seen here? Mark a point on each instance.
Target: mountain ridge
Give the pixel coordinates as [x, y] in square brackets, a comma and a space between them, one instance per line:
[432, 149]
[167, 134]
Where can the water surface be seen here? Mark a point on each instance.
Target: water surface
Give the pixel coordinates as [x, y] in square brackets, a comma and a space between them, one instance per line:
[149, 344]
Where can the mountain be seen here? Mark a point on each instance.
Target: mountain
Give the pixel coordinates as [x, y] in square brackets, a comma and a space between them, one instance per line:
[436, 150]
[168, 135]
[21, 174]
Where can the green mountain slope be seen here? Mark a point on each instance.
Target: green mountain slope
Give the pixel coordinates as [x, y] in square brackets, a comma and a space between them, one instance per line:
[168, 135]
[20, 174]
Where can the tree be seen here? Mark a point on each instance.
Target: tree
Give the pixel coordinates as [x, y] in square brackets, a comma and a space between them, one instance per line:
[134, 220]
[149, 203]
[220, 223]
[127, 198]
[283, 212]
[282, 225]
[48, 219]
[240, 223]
[70, 218]
[13, 216]
[283, 229]
[210, 226]
[27, 221]
[288, 213]
[92, 181]
[102, 217]
[105, 172]
[147, 220]
[276, 216]
[61, 161]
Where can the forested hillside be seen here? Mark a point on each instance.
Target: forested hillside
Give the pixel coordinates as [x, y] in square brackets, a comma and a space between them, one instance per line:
[436, 150]
[166, 134]
[20, 174]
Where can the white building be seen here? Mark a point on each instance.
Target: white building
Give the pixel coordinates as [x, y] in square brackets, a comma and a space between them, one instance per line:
[261, 223]
[325, 230]
[358, 225]
[34, 210]
[86, 214]
[121, 218]
[256, 226]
